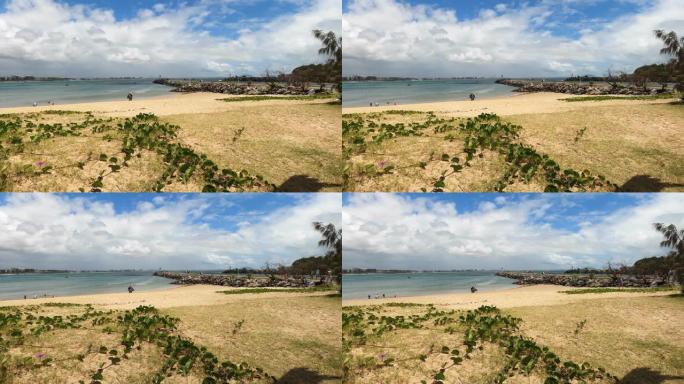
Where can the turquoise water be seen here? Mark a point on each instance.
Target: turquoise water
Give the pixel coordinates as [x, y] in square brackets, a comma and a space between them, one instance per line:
[81, 283]
[361, 93]
[25, 93]
[420, 283]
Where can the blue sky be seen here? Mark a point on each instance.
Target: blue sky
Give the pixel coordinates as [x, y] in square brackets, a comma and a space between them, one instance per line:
[170, 231]
[513, 38]
[174, 38]
[510, 231]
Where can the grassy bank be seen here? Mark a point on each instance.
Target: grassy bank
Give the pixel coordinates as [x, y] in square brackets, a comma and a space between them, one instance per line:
[320, 96]
[597, 148]
[272, 290]
[200, 344]
[541, 344]
[661, 96]
[250, 148]
[609, 290]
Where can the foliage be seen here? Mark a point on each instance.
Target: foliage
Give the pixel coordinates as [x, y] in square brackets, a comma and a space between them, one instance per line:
[659, 96]
[485, 325]
[484, 133]
[138, 135]
[673, 46]
[142, 325]
[316, 96]
[320, 288]
[610, 290]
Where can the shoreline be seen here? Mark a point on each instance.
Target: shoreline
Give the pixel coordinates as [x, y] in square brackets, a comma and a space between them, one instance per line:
[175, 103]
[464, 99]
[518, 104]
[519, 296]
[178, 296]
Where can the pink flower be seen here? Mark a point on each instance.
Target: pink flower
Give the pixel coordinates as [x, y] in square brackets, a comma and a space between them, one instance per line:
[40, 164]
[381, 164]
[40, 356]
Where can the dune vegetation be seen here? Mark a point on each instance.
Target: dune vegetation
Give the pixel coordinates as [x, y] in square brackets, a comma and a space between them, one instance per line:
[228, 343]
[568, 343]
[225, 151]
[595, 149]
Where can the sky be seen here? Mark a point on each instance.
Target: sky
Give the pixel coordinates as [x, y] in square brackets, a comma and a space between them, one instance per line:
[201, 38]
[512, 231]
[167, 231]
[493, 38]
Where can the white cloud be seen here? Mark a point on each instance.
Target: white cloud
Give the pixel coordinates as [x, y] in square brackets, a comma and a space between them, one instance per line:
[58, 231]
[395, 231]
[47, 37]
[389, 37]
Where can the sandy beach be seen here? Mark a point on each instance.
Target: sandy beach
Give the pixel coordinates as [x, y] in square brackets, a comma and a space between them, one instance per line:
[527, 296]
[516, 104]
[178, 296]
[171, 104]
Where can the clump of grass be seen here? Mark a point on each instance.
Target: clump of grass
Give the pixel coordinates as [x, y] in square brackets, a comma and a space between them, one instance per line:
[610, 97]
[404, 305]
[286, 290]
[317, 96]
[608, 290]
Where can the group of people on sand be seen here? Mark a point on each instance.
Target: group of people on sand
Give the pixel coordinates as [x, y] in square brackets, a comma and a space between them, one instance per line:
[375, 104]
[45, 295]
[383, 296]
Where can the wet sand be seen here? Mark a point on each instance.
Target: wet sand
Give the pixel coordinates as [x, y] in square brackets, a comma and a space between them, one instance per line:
[534, 295]
[518, 104]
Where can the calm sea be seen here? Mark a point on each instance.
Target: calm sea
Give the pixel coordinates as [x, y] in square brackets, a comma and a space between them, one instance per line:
[25, 93]
[77, 283]
[420, 283]
[361, 93]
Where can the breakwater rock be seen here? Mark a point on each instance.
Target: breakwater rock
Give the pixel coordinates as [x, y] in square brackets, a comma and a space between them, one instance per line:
[572, 280]
[234, 88]
[576, 88]
[232, 280]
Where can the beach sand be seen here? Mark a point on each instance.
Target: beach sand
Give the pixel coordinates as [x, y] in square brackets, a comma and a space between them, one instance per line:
[171, 104]
[179, 296]
[527, 296]
[517, 104]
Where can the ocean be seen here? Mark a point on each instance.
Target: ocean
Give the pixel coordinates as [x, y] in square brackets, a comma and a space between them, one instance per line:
[25, 93]
[359, 286]
[361, 93]
[77, 283]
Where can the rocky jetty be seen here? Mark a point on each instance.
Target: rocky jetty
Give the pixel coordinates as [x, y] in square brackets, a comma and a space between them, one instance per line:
[233, 281]
[234, 88]
[577, 88]
[572, 280]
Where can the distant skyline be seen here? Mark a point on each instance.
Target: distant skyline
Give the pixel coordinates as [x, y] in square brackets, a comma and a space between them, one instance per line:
[490, 38]
[195, 38]
[504, 231]
[168, 231]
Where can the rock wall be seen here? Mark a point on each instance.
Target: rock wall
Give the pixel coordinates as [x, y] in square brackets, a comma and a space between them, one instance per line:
[232, 281]
[234, 88]
[576, 88]
[530, 278]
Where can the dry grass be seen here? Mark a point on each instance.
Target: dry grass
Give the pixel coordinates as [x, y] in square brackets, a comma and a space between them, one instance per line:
[636, 339]
[646, 331]
[294, 339]
[296, 147]
[638, 147]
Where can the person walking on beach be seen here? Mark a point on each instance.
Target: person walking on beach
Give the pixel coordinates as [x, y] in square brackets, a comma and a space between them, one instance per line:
[130, 289]
[473, 289]
[472, 97]
[130, 96]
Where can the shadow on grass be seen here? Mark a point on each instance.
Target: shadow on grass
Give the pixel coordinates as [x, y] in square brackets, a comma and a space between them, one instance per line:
[646, 183]
[645, 375]
[304, 375]
[304, 183]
